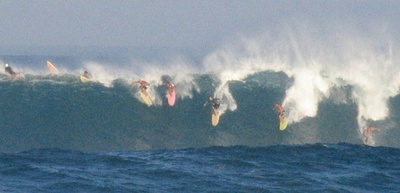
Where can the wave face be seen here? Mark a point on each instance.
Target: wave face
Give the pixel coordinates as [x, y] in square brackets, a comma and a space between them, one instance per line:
[334, 84]
[60, 112]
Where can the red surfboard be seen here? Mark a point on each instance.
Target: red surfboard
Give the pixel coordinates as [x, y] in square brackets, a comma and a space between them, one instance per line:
[171, 97]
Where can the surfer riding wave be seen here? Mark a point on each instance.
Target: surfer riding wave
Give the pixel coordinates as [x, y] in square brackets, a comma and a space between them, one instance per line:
[86, 74]
[281, 110]
[216, 103]
[143, 86]
[171, 87]
[11, 72]
[368, 136]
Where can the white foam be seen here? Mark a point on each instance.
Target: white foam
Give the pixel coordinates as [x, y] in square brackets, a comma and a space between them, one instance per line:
[317, 62]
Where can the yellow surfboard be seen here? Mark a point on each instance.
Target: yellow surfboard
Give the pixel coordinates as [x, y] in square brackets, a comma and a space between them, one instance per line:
[52, 68]
[283, 124]
[215, 118]
[85, 79]
[146, 99]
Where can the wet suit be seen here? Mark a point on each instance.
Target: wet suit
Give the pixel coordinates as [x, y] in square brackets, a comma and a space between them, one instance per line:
[216, 103]
[10, 71]
[86, 74]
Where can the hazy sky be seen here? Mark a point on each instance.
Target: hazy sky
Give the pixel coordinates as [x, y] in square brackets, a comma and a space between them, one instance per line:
[177, 23]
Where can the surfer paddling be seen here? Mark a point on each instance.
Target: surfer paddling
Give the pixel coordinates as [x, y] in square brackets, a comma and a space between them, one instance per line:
[216, 103]
[281, 110]
[368, 134]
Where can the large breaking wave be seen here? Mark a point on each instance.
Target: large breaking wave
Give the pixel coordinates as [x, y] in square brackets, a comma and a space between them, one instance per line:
[61, 112]
[333, 87]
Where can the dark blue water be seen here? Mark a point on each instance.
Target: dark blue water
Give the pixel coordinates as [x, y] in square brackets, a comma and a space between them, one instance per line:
[59, 135]
[281, 168]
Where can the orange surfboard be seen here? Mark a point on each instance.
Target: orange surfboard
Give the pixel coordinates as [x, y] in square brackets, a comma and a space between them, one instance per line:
[52, 68]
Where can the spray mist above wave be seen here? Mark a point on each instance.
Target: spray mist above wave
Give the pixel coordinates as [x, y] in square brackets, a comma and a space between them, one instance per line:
[317, 60]
[317, 63]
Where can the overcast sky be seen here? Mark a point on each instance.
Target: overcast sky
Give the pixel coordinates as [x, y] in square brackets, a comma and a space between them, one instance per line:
[175, 23]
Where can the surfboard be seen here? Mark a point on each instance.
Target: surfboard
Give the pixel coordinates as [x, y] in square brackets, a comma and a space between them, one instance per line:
[18, 76]
[171, 98]
[52, 68]
[283, 124]
[215, 118]
[84, 79]
[146, 99]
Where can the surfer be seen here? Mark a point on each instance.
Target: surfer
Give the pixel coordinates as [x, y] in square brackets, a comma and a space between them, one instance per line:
[9, 70]
[171, 87]
[86, 74]
[216, 103]
[368, 134]
[143, 86]
[281, 110]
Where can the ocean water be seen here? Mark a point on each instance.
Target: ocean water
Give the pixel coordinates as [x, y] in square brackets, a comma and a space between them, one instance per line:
[60, 135]
[277, 168]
